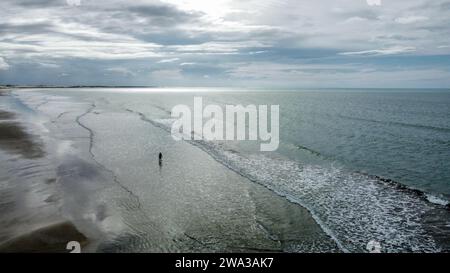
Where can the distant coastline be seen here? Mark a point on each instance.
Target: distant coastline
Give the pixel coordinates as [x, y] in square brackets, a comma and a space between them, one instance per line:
[73, 86]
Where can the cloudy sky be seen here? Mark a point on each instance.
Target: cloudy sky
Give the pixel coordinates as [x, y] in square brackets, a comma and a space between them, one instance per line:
[261, 43]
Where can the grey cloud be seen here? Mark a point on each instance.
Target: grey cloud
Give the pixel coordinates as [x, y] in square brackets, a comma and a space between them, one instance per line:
[161, 11]
[27, 28]
[39, 3]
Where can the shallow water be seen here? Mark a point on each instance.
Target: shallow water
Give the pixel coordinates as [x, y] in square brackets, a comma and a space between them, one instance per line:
[345, 156]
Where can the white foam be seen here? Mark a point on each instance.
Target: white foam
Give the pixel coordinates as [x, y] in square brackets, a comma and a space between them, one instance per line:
[436, 200]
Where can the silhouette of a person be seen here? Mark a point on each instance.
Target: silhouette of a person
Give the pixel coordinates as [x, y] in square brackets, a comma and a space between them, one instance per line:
[160, 159]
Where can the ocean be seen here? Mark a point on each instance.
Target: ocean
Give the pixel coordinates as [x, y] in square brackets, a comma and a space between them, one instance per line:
[353, 166]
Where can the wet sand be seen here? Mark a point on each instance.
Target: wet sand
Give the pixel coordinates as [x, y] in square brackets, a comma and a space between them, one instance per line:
[13, 136]
[52, 238]
[15, 139]
[36, 232]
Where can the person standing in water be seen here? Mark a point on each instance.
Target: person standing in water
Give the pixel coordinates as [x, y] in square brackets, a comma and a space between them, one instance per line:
[160, 159]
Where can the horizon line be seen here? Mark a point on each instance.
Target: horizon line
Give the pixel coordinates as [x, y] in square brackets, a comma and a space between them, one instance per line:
[25, 86]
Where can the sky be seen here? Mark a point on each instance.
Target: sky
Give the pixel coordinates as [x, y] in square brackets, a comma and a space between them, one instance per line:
[241, 43]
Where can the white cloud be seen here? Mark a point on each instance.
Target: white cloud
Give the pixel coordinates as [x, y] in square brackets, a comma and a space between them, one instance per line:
[47, 46]
[411, 19]
[187, 64]
[384, 51]
[171, 60]
[3, 64]
[217, 47]
[257, 52]
[355, 19]
[49, 65]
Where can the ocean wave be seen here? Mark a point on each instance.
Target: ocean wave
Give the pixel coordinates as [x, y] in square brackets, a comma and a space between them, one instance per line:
[314, 152]
[437, 200]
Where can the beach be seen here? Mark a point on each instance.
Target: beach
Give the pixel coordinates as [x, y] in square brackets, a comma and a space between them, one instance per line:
[128, 203]
[89, 158]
